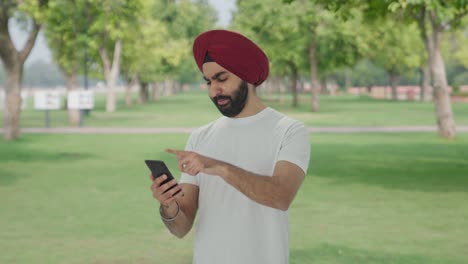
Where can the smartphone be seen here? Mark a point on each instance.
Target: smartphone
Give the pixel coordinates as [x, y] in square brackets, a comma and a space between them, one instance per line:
[158, 168]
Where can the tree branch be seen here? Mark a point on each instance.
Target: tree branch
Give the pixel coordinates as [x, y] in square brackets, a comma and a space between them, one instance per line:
[421, 19]
[105, 60]
[458, 17]
[8, 51]
[117, 52]
[23, 54]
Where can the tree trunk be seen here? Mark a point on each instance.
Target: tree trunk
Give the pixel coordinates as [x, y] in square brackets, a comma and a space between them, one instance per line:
[129, 90]
[13, 61]
[424, 82]
[323, 86]
[293, 84]
[441, 98]
[168, 87]
[269, 90]
[144, 93]
[443, 105]
[12, 111]
[111, 99]
[276, 86]
[429, 45]
[314, 85]
[112, 73]
[156, 92]
[72, 84]
[300, 85]
[348, 81]
[177, 87]
[394, 79]
[282, 91]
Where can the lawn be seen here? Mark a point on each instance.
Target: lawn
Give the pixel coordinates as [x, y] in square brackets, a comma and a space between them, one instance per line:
[368, 198]
[193, 109]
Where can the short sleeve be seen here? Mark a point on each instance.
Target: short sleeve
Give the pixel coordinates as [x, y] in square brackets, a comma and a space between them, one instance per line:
[186, 178]
[295, 146]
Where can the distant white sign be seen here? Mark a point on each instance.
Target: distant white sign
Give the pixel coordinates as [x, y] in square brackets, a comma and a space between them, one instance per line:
[47, 100]
[24, 99]
[80, 100]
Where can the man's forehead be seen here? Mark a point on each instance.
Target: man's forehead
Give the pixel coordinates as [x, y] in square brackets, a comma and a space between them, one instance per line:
[210, 69]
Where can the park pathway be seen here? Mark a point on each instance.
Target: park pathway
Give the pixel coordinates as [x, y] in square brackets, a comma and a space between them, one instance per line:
[158, 130]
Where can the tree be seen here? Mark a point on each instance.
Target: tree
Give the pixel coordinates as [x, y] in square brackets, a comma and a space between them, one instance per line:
[440, 17]
[273, 27]
[185, 20]
[147, 44]
[111, 20]
[395, 48]
[434, 17]
[66, 33]
[32, 14]
[302, 37]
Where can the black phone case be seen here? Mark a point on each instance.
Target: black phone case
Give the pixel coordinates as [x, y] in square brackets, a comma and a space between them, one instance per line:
[158, 168]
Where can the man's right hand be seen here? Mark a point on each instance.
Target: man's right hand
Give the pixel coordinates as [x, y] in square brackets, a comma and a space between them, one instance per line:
[187, 200]
[166, 199]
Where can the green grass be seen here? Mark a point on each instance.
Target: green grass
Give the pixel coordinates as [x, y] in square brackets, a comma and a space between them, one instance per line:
[195, 109]
[368, 198]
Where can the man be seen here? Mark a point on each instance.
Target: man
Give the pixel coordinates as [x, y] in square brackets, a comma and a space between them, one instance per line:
[241, 172]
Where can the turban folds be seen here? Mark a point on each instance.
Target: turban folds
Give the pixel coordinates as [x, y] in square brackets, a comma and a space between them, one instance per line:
[234, 52]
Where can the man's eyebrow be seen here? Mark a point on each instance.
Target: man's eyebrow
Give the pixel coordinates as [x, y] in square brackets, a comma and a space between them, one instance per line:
[216, 76]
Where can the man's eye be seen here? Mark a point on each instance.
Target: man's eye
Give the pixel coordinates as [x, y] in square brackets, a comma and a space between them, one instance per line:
[208, 83]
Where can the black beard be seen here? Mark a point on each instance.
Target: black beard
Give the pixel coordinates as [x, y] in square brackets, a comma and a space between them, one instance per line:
[236, 103]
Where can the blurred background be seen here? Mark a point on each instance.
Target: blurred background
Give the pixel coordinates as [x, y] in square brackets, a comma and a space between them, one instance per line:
[91, 88]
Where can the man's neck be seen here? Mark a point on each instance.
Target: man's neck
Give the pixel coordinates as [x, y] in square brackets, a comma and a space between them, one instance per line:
[252, 107]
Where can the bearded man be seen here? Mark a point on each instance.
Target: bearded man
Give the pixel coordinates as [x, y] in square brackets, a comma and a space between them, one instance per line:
[241, 172]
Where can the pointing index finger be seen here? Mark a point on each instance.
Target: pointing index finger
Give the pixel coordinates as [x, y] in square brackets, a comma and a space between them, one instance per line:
[173, 151]
[179, 153]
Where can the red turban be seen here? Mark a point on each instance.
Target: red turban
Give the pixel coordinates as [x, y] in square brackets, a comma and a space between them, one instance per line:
[233, 52]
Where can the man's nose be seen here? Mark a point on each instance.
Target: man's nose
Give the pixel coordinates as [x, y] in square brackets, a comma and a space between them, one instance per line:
[217, 89]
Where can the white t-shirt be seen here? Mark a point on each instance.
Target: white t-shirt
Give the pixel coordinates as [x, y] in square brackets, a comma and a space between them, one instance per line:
[232, 228]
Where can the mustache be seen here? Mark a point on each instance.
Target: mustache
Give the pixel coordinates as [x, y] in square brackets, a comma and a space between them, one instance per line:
[220, 97]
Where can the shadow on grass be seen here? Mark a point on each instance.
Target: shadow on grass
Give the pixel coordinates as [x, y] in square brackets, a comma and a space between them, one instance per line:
[327, 253]
[19, 154]
[30, 155]
[7, 177]
[419, 167]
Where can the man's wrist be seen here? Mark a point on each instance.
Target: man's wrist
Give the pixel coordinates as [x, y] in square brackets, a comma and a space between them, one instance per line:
[223, 169]
[170, 211]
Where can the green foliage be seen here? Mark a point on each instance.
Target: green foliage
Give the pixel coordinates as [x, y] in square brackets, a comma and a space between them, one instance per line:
[145, 46]
[395, 46]
[67, 33]
[32, 9]
[275, 28]
[341, 43]
[366, 73]
[460, 79]
[285, 32]
[160, 46]
[79, 25]
[185, 20]
[459, 45]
